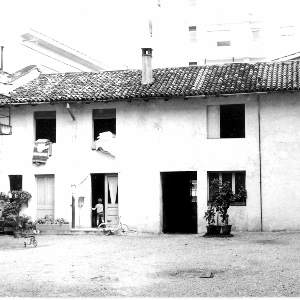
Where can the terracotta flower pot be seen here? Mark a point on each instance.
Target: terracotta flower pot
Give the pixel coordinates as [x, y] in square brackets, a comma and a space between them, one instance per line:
[213, 229]
[17, 233]
[226, 229]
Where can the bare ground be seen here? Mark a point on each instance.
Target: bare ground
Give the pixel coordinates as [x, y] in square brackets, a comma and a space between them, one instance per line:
[145, 265]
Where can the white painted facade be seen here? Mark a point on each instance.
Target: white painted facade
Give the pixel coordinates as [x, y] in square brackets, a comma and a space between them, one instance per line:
[161, 136]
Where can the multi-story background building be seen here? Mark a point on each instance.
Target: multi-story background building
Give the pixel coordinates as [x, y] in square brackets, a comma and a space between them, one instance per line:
[199, 32]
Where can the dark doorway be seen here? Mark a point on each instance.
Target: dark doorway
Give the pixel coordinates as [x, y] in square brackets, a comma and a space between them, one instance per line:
[97, 181]
[179, 193]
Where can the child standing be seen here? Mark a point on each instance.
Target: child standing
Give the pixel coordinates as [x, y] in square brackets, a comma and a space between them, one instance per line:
[100, 212]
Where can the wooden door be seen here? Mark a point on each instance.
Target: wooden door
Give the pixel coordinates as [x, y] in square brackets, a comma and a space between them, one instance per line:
[111, 198]
[45, 195]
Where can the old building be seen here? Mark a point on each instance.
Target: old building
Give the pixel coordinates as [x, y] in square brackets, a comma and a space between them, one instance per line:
[171, 131]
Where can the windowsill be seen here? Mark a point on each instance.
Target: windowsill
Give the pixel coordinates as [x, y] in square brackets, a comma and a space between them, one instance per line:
[234, 204]
[236, 138]
[238, 204]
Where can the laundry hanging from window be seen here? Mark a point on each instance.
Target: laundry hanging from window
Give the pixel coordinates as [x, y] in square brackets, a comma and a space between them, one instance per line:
[42, 150]
[106, 143]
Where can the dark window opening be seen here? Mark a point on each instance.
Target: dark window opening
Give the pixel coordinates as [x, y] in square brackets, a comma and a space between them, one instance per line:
[192, 63]
[103, 126]
[15, 182]
[232, 121]
[104, 120]
[45, 125]
[46, 129]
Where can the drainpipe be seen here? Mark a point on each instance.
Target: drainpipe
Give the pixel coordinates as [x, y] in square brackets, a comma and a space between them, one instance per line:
[2, 68]
[73, 186]
[260, 177]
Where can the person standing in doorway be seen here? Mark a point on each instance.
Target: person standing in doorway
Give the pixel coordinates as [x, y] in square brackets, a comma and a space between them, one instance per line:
[100, 212]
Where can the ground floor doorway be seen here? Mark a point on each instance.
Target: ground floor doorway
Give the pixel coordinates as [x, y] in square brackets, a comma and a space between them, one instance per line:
[45, 196]
[179, 201]
[105, 186]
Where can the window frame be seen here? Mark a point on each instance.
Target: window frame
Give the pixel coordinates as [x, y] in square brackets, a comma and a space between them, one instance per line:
[104, 114]
[14, 181]
[45, 115]
[193, 34]
[287, 31]
[233, 184]
[219, 37]
[215, 118]
[255, 34]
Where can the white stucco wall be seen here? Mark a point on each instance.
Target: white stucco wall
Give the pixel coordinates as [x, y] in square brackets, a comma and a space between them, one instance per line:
[160, 136]
[280, 125]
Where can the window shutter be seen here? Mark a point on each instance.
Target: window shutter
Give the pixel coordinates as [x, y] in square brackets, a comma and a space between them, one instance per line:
[213, 121]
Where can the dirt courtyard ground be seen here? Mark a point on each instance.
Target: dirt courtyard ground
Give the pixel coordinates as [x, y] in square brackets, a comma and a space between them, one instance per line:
[146, 265]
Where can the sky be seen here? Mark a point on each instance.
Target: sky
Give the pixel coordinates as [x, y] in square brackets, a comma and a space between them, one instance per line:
[105, 30]
[113, 31]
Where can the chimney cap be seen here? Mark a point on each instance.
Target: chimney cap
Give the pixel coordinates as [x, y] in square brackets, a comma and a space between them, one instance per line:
[147, 51]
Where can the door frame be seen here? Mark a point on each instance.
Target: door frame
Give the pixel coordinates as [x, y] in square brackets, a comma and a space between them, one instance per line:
[36, 184]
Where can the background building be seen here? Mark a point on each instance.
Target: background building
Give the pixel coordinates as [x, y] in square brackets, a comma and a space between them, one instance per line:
[211, 32]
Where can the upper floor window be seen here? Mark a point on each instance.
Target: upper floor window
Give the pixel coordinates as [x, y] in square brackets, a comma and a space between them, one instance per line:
[193, 34]
[192, 63]
[287, 31]
[226, 121]
[255, 34]
[236, 179]
[219, 38]
[45, 125]
[104, 120]
[193, 3]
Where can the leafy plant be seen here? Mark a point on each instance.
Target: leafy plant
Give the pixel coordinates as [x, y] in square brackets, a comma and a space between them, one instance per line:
[209, 215]
[21, 194]
[61, 221]
[11, 208]
[3, 196]
[48, 219]
[19, 222]
[222, 197]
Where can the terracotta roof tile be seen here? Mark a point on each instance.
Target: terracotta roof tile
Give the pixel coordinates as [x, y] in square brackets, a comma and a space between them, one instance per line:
[232, 78]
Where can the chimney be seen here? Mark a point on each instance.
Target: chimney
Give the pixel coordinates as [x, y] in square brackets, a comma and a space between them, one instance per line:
[147, 66]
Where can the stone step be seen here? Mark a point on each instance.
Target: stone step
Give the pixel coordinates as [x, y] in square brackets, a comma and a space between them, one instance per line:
[75, 231]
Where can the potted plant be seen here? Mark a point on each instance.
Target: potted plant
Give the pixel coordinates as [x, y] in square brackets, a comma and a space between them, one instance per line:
[49, 223]
[20, 195]
[223, 197]
[3, 196]
[11, 211]
[14, 221]
[209, 216]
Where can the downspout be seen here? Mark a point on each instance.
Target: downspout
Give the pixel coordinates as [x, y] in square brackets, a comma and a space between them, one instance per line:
[260, 177]
[2, 68]
[73, 186]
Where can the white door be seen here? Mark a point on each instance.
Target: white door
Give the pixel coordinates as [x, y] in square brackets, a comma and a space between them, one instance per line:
[45, 195]
[111, 198]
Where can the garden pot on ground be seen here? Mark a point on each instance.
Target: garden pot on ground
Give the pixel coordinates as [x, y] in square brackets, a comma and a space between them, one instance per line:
[17, 233]
[217, 229]
[226, 229]
[213, 229]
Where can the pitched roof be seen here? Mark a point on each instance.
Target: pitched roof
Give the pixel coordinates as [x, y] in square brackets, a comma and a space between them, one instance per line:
[225, 79]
